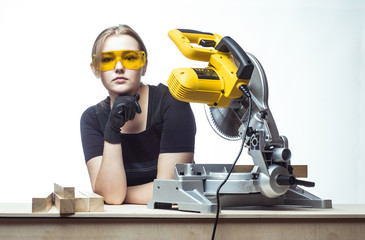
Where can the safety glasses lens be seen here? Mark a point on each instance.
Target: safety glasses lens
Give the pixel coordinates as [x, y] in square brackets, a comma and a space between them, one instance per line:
[129, 59]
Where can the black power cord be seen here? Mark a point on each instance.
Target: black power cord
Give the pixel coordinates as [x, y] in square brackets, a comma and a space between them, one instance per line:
[246, 91]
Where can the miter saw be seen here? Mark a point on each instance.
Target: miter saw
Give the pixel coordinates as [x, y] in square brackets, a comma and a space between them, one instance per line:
[235, 91]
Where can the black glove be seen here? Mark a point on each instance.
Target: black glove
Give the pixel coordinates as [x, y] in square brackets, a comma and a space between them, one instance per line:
[124, 109]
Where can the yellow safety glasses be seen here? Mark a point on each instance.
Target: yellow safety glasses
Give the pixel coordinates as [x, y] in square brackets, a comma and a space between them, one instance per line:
[130, 59]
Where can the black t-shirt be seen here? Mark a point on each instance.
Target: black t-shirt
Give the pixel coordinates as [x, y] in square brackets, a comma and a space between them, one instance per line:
[170, 129]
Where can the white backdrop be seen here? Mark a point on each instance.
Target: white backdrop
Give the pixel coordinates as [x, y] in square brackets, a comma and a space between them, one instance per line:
[313, 53]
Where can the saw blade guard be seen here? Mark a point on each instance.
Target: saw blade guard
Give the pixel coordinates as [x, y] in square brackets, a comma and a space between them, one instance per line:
[229, 122]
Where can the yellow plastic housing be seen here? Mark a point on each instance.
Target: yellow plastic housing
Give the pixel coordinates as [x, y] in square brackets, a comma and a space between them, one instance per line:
[215, 85]
[185, 85]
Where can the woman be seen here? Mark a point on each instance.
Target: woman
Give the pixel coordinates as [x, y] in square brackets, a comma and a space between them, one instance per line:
[139, 132]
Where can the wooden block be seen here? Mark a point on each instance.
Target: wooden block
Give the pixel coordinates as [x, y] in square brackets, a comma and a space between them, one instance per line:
[82, 202]
[64, 192]
[64, 205]
[42, 204]
[243, 168]
[96, 202]
[300, 171]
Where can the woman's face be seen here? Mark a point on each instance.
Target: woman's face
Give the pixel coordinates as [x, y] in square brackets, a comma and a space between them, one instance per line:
[120, 80]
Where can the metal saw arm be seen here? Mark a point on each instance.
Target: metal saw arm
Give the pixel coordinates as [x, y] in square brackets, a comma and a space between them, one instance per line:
[269, 151]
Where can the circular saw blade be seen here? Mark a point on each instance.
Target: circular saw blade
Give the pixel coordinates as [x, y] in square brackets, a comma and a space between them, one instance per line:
[224, 122]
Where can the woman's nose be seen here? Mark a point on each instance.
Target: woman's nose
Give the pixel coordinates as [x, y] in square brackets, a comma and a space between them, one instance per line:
[119, 66]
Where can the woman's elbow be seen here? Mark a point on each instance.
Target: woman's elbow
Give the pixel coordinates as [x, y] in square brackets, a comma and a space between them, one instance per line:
[113, 201]
[112, 198]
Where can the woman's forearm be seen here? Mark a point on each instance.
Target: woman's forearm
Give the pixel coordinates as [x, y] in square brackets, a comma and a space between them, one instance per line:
[139, 194]
[111, 179]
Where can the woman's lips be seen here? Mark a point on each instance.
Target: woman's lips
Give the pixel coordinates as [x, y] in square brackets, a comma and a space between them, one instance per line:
[120, 80]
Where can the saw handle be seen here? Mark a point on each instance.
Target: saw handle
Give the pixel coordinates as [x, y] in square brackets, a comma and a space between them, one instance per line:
[205, 39]
[245, 69]
[291, 180]
[184, 37]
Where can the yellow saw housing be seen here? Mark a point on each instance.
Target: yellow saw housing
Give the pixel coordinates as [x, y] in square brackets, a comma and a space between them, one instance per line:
[215, 85]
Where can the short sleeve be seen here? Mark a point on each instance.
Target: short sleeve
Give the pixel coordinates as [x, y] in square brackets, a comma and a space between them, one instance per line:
[91, 134]
[179, 128]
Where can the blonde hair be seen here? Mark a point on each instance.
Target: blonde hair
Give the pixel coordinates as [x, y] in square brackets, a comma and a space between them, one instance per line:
[112, 31]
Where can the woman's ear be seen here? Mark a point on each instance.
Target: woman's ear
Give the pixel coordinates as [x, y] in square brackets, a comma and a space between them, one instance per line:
[144, 68]
[93, 70]
[92, 67]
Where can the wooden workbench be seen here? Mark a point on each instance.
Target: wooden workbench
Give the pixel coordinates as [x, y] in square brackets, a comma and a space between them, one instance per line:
[138, 222]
